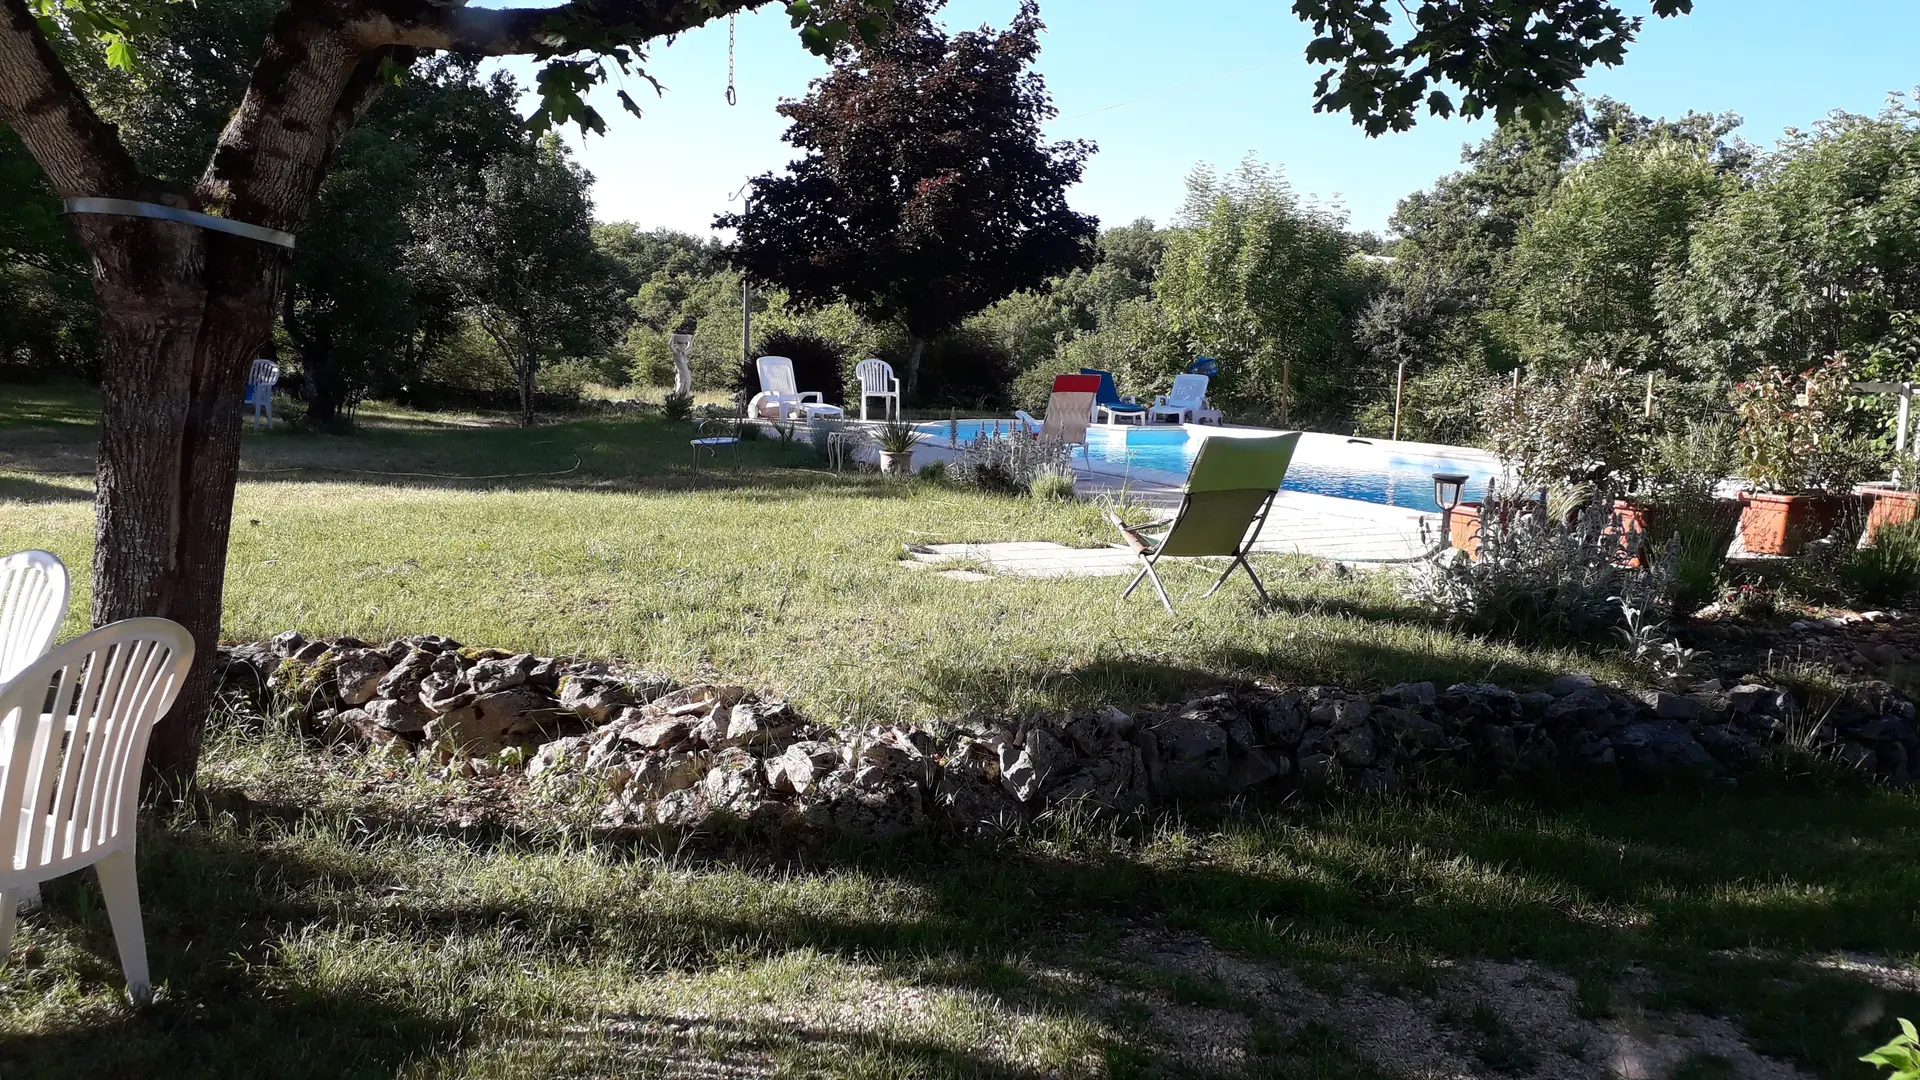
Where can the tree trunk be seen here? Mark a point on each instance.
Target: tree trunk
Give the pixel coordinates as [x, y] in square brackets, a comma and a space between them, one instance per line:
[910, 373]
[183, 313]
[528, 370]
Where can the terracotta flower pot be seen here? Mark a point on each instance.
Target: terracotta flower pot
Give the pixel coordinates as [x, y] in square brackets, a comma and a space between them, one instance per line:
[1781, 524]
[1463, 525]
[1629, 529]
[1890, 507]
[1463, 528]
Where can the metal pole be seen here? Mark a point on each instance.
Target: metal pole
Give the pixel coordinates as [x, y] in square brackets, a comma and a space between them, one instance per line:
[1906, 410]
[1399, 391]
[746, 307]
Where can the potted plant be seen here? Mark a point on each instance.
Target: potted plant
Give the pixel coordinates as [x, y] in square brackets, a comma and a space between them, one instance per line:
[897, 438]
[1797, 453]
[1895, 502]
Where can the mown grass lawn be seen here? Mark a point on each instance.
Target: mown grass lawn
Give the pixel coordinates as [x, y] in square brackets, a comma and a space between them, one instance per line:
[1541, 934]
[769, 570]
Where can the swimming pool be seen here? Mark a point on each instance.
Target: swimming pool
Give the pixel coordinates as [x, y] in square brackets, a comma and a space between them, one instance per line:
[1376, 471]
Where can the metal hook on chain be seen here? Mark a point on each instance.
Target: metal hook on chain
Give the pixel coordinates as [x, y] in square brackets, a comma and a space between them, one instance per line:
[732, 97]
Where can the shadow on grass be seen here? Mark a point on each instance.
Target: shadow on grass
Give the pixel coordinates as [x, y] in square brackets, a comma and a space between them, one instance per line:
[26, 490]
[1718, 897]
[1352, 661]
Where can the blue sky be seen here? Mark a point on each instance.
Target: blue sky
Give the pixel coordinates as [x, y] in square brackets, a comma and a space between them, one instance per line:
[1162, 92]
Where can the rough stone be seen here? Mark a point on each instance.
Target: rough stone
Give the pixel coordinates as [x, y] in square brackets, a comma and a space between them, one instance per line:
[1354, 746]
[654, 775]
[1676, 707]
[758, 722]
[803, 765]
[1660, 746]
[733, 781]
[287, 642]
[403, 678]
[974, 805]
[558, 756]
[1420, 693]
[400, 716]
[656, 734]
[493, 676]
[1570, 684]
[870, 802]
[1192, 757]
[1116, 781]
[358, 673]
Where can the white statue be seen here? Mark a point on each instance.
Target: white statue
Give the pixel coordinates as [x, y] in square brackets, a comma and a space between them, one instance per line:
[682, 345]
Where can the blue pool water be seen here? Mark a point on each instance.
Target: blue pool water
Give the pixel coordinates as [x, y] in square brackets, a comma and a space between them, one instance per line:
[1392, 474]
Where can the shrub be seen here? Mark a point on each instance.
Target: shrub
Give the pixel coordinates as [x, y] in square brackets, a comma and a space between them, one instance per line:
[1692, 536]
[934, 472]
[1005, 462]
[1032, 387]
[965, 370]
[677, 407]
[817, 365]
[1582, 427]
[1887, 569]
[1689, 461]
[1053, 483]
[1790, 443]
[1542, 582]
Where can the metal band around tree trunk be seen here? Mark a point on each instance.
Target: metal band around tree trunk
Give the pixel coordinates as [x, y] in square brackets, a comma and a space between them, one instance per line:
[130, 208]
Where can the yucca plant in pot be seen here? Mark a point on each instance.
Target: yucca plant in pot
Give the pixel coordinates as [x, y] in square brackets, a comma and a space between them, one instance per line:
[896, 439]
[1798, 454]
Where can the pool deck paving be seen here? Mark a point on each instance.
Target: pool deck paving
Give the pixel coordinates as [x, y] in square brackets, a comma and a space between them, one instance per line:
[1344, 530]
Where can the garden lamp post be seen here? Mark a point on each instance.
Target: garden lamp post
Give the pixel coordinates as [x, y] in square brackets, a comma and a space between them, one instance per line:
[1447, 491]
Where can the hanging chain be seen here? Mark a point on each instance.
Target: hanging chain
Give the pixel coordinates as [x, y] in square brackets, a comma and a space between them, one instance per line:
[732, 97]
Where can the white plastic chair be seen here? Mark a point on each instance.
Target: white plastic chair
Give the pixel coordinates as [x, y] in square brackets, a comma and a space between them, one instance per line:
[261, 380]
[1186, 402]
[877, 381]
[70, 778]
[778, 390]
[33, 601]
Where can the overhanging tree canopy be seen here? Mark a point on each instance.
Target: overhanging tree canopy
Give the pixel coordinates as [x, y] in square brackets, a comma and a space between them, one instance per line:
[183, 309]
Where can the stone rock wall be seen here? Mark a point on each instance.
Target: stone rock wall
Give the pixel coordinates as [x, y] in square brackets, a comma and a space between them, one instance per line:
[656, 755]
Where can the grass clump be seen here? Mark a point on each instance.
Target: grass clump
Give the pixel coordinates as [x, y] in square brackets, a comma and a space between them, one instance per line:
[1888, 568]
[1053, 484]
[676, 408]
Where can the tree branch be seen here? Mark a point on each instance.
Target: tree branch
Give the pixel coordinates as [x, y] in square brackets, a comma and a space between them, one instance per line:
[81, 153]
[516, 31]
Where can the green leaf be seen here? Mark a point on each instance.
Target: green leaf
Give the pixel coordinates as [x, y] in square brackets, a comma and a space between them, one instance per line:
[119, 53]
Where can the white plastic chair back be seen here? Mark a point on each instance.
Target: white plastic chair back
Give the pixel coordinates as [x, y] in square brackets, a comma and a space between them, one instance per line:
[33, 601]
[776, 376]
[265, 373]
[70, 779]
[1189, 391]
[876, 377]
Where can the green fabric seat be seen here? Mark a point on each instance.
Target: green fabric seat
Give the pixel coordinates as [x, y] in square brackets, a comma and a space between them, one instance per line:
[1229, 494]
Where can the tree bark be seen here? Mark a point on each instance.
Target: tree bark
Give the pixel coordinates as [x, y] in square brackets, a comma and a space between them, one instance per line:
[910, 375]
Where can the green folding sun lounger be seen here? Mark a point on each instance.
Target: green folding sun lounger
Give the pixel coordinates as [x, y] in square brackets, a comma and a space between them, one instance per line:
[1230, 491]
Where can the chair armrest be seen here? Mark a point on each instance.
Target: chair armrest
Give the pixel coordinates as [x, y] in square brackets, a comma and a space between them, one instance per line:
[1135, 534]
[896, 385]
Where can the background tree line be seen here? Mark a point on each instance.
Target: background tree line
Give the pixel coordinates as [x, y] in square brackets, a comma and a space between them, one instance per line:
[453, 257]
